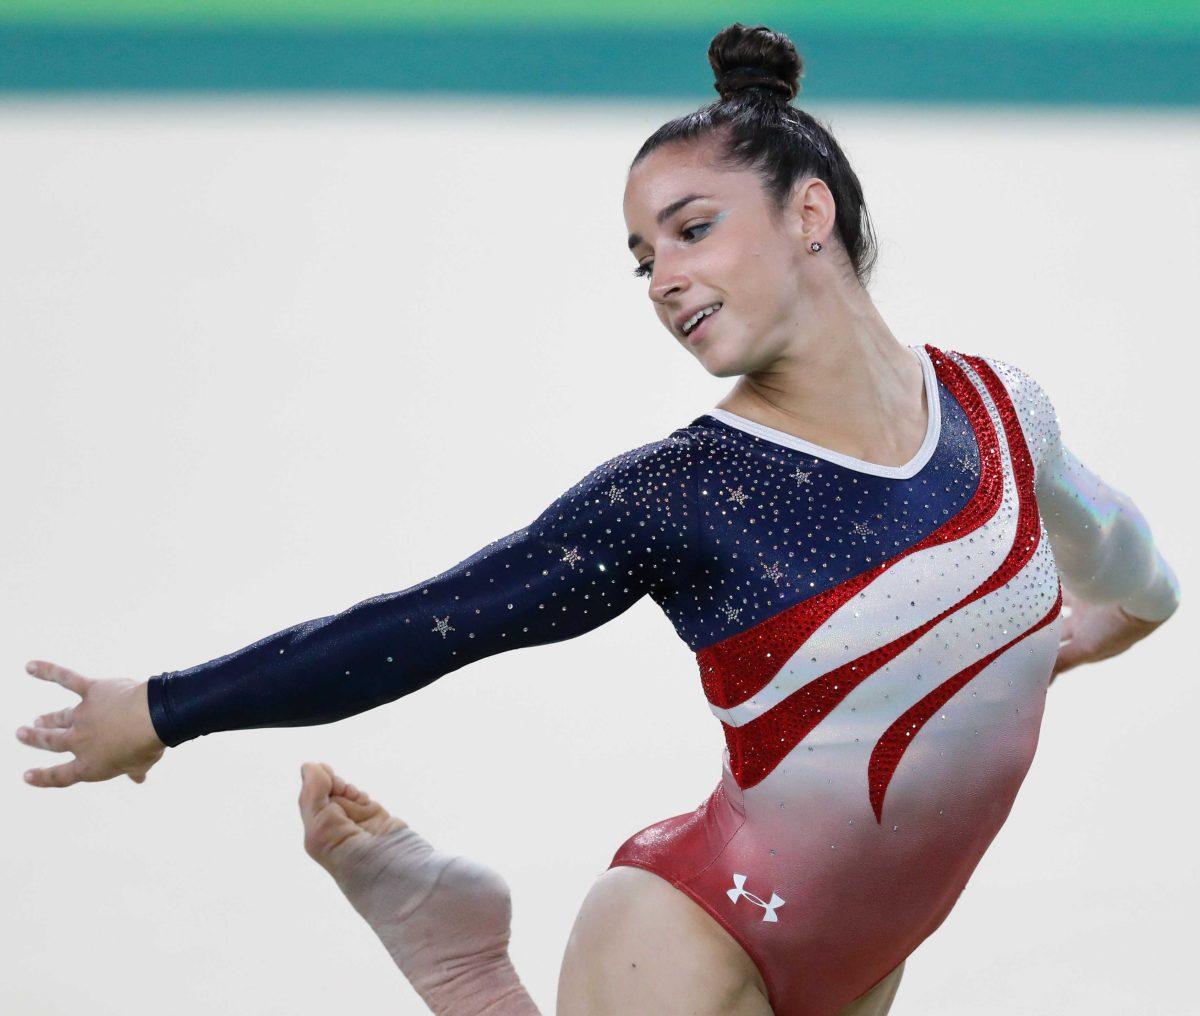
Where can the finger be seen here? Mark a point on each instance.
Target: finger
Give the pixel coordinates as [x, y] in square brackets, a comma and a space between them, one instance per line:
[59, 675]
[65, 775]
[60, 718]
[52, 739]
[314, 789]
[339, 785]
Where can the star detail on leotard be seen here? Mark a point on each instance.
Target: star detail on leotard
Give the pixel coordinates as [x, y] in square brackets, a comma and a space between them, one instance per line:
[861, 529]
[774, 572]
[442, 625]
[731, 612]
[738, 495]
[802, 477]
[964, 460]
[615, 494]
[571, 556]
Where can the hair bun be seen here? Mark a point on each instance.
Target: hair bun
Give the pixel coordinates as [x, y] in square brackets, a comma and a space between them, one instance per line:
[744, 57]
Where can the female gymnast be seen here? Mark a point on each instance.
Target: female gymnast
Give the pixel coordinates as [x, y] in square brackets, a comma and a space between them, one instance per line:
[862, 544]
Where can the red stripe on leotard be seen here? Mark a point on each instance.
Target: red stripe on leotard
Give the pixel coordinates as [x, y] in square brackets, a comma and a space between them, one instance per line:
[890, 748]
[738, 667]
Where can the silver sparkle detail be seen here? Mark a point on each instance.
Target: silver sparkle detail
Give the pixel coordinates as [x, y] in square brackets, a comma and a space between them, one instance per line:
[738, 495]
[441, 625]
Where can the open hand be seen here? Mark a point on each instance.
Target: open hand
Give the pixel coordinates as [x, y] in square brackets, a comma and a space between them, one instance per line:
[109, 730]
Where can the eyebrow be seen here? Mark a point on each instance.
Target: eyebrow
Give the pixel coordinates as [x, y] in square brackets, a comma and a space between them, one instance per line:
[666, 213]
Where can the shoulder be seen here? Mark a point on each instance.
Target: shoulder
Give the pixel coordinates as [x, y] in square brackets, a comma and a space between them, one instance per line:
[670, 457]
[1022, 387]
[1027, 393]
[649, 483]
[1035, 410]
[645, 493]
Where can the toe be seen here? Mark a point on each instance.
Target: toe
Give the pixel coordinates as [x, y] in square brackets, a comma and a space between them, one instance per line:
[314, 791]
[339, 785]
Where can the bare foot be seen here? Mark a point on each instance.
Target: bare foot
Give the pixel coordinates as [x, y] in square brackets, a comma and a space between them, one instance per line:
[445, 920]
[339, 819]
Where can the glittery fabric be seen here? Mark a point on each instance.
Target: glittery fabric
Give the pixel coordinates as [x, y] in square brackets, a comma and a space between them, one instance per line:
[876, 642]
[882, 694]
[774, 719]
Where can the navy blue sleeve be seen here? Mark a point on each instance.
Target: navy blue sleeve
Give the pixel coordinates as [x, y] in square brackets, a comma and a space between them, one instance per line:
[626, 529]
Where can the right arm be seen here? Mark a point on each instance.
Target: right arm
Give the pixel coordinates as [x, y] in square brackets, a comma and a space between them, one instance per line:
[626, 529]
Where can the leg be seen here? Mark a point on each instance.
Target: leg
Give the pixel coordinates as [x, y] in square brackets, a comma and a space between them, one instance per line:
[444, 920]
[876, 1001]
[640, 945]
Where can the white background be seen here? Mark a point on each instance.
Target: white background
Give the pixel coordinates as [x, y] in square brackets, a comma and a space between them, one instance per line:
[264, 359]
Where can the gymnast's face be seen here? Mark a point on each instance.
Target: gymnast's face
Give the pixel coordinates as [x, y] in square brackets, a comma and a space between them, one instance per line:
[728, 247]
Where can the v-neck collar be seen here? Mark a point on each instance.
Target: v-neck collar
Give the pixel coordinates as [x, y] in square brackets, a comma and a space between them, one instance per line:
[932, 432]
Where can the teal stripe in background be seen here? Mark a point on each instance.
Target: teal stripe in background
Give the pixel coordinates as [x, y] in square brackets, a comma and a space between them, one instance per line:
[842, 63]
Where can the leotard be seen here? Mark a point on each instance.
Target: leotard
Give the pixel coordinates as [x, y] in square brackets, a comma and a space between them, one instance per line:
[876, 642]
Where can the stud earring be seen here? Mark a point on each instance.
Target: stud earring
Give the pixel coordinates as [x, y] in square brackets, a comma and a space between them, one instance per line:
[815, 246]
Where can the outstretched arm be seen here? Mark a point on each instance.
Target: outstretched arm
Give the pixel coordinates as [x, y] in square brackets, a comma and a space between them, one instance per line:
[622, 531]
[626, 529]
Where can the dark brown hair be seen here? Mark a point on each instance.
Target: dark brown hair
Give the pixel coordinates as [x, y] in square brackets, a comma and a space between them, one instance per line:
[757, 74]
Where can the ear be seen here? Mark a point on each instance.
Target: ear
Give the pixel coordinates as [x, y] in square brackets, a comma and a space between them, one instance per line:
[811, 211]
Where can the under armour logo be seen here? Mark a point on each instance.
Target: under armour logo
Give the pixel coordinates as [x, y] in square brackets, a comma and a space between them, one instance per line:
[738, 891]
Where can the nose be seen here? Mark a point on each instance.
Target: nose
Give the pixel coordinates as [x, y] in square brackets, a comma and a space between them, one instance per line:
[666, 282]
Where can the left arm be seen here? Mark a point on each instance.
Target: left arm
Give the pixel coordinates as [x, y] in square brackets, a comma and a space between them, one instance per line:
[1102, 542]
[1117, 586]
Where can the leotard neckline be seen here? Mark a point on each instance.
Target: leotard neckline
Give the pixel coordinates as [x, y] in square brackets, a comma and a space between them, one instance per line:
[909, 469]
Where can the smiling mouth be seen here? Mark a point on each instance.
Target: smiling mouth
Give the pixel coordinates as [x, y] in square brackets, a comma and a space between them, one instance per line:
[699, 328]
[692, 322]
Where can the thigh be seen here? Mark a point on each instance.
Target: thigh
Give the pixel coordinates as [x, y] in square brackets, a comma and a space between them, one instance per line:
[878, 1000]
[641, 945]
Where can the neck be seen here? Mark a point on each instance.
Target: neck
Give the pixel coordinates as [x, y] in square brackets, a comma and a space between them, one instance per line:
[844, 381]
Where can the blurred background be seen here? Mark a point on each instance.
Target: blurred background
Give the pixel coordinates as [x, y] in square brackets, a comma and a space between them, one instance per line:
[303, 301]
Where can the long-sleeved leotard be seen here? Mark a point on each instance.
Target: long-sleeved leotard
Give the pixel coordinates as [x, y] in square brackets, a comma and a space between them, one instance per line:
[876, 642]
[1102, 543]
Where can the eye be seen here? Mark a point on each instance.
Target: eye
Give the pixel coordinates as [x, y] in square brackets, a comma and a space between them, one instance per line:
[646, 267]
